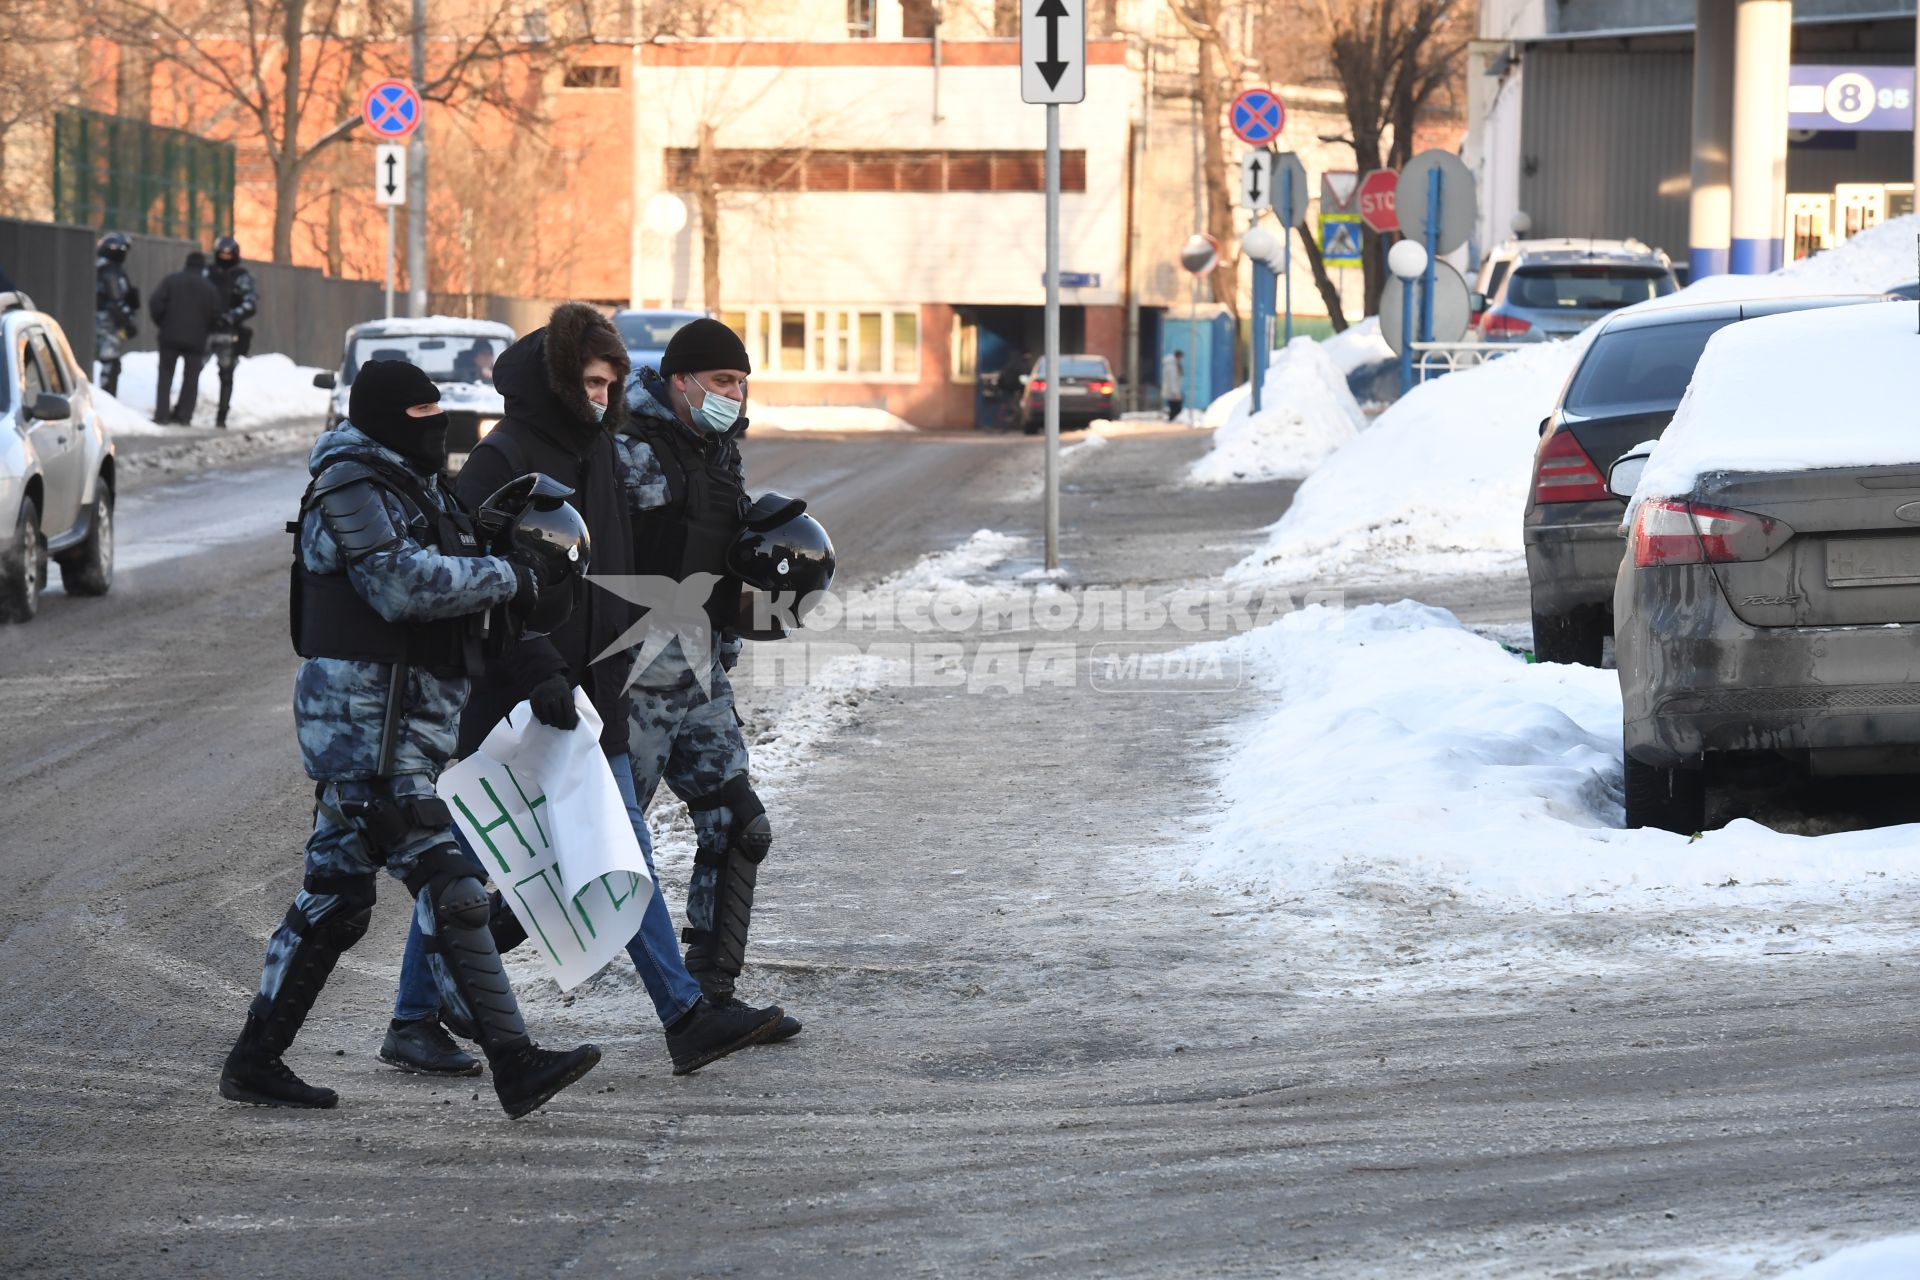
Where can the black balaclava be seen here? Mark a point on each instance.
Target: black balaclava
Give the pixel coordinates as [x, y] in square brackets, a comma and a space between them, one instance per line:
[383, 391]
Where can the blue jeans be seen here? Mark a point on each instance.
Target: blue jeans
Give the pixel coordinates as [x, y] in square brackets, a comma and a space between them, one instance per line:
[655, 950]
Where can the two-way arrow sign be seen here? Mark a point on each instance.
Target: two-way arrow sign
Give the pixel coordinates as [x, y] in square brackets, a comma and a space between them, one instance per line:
[390, 174]
[1256, 192]
[1053, 51]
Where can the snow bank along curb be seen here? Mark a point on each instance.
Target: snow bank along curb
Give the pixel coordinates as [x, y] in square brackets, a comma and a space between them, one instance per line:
[1306, 413]
[1438, 483]
[268, 391]
[1398, 758]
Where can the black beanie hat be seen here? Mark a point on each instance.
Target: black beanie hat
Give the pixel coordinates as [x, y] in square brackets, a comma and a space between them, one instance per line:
[704, 344]
[382, 393]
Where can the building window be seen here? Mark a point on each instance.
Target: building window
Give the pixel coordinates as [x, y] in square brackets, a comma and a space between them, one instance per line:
[591, 77]
[860, 19]
[963, 359]
[745, 169]
[880, 344]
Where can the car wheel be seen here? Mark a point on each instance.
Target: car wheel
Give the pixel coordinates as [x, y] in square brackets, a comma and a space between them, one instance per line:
[87, 570]
[1576, 638]
[1666, 799]
[24, 572]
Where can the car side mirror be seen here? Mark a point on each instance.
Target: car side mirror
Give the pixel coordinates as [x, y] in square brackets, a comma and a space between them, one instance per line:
[1477, 302]
[1623, 477]
[323, 379]
[1545, 423]
[49, 406]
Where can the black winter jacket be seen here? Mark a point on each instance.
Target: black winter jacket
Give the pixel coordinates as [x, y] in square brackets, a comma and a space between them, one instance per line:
[185, 307]
[548, 428]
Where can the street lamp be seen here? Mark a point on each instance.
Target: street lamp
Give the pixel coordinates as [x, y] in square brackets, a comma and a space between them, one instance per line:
[1522, 222]
[1408, 261]
[1260, 246]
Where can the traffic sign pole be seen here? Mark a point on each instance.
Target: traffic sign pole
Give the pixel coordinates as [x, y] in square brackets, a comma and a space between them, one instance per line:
[1433, 254]
[1286, 245]
[1406, 333]
[1053, 336]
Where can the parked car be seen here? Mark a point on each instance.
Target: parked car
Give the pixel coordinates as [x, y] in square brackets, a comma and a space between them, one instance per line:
[1556, 288]
[647, 333]
[1086, 393]
[1492, 274]
[1909, 291]
[56, 469]
[455, 352]
[1769, 607]
[1623, 391]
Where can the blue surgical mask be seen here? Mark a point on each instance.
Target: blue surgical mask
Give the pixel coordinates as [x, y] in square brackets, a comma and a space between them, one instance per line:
[719, 412]
[599, 411]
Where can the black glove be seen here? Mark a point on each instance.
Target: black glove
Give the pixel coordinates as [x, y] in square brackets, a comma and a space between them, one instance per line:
[552, 701]
[527, 594]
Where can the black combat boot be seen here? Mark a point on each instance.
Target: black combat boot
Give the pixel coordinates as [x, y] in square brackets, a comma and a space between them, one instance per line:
[527, 1076]
[254, 1073]
[718, 988]
[710, 1031]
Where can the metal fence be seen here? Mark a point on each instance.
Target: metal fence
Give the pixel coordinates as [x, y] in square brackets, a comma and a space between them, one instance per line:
[304, 313]
[140, 178]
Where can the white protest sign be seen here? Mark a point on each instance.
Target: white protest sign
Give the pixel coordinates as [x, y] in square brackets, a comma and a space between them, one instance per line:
[538, 805]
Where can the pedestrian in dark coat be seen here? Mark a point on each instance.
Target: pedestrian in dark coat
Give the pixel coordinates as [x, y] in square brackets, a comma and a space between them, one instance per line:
[185, 306]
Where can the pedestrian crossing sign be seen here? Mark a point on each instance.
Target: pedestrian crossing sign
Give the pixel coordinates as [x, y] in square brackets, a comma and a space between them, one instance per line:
[1340, 239]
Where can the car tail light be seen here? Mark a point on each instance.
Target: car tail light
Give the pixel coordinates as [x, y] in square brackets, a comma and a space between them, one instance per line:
[1674, 531]
[1038, 384]
[1104, 388]
[1497, 325]
[1564, 472]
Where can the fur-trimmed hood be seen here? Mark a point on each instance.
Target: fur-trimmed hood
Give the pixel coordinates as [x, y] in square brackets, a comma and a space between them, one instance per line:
[539, 378]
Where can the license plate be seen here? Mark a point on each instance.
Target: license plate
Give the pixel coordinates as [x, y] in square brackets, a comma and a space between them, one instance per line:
[1873, 562]
[1069, 390]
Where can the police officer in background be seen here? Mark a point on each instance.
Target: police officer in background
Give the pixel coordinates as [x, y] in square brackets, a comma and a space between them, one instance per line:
[239, 301]
[389, 585]
[116, 307]
[680, 457]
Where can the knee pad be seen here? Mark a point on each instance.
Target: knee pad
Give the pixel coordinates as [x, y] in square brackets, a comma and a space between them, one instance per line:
[752, 832]
[346, 922]
[462, 904]
[342, 930]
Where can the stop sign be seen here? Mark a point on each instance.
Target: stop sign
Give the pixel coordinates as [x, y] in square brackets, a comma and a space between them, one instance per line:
[1376, 200]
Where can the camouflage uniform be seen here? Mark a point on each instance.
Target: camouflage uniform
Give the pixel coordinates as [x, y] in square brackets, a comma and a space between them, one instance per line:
[339, 708]
[678, 732]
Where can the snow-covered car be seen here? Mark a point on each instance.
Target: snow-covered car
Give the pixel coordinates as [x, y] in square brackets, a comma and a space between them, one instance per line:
[457, 353]
[1623, 391]
[56, 469]
[1769, 604]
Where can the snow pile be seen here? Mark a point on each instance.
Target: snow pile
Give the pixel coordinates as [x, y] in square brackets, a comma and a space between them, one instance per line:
[1878, 258]
[1436, 485]
[1403, 756]
[1753, 399]
[1306, 414]
[827, 417]
[1894, 1259]
[1357, 345]
[268, 391]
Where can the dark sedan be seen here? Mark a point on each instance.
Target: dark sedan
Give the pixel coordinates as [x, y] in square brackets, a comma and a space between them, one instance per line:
[1086, 393]
[1623, 392]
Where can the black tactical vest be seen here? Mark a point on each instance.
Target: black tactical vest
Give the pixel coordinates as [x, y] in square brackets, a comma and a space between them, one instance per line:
[705, 506]
[328, 618]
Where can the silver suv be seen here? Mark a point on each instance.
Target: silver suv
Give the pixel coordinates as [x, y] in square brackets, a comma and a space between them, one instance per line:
[56, 466]
[1556, 288]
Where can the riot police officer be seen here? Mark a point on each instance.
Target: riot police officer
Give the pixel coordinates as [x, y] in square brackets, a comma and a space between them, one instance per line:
[239, 300]
[116, 307]
[390, 580]
[681, 467]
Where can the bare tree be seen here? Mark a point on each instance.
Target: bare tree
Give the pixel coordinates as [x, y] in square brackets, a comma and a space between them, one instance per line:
[1211, 24]
[1395, 63]
[274, 61]
[42, 68]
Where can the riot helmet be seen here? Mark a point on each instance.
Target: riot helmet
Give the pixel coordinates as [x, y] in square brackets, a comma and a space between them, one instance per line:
[113, 247]
[226, 251]
[784, 551]
[529, 521]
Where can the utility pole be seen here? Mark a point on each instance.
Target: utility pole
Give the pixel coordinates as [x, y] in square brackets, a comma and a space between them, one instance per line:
[417, 176]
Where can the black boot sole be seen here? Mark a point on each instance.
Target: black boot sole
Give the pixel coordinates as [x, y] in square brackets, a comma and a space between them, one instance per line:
[786, 1029]
[414, 1068]
[524, 1105]
[760, 1033]
[234, 1093]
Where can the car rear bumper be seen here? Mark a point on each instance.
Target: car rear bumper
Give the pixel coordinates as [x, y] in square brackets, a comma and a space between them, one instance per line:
[1791, 689]
[1572, 564]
